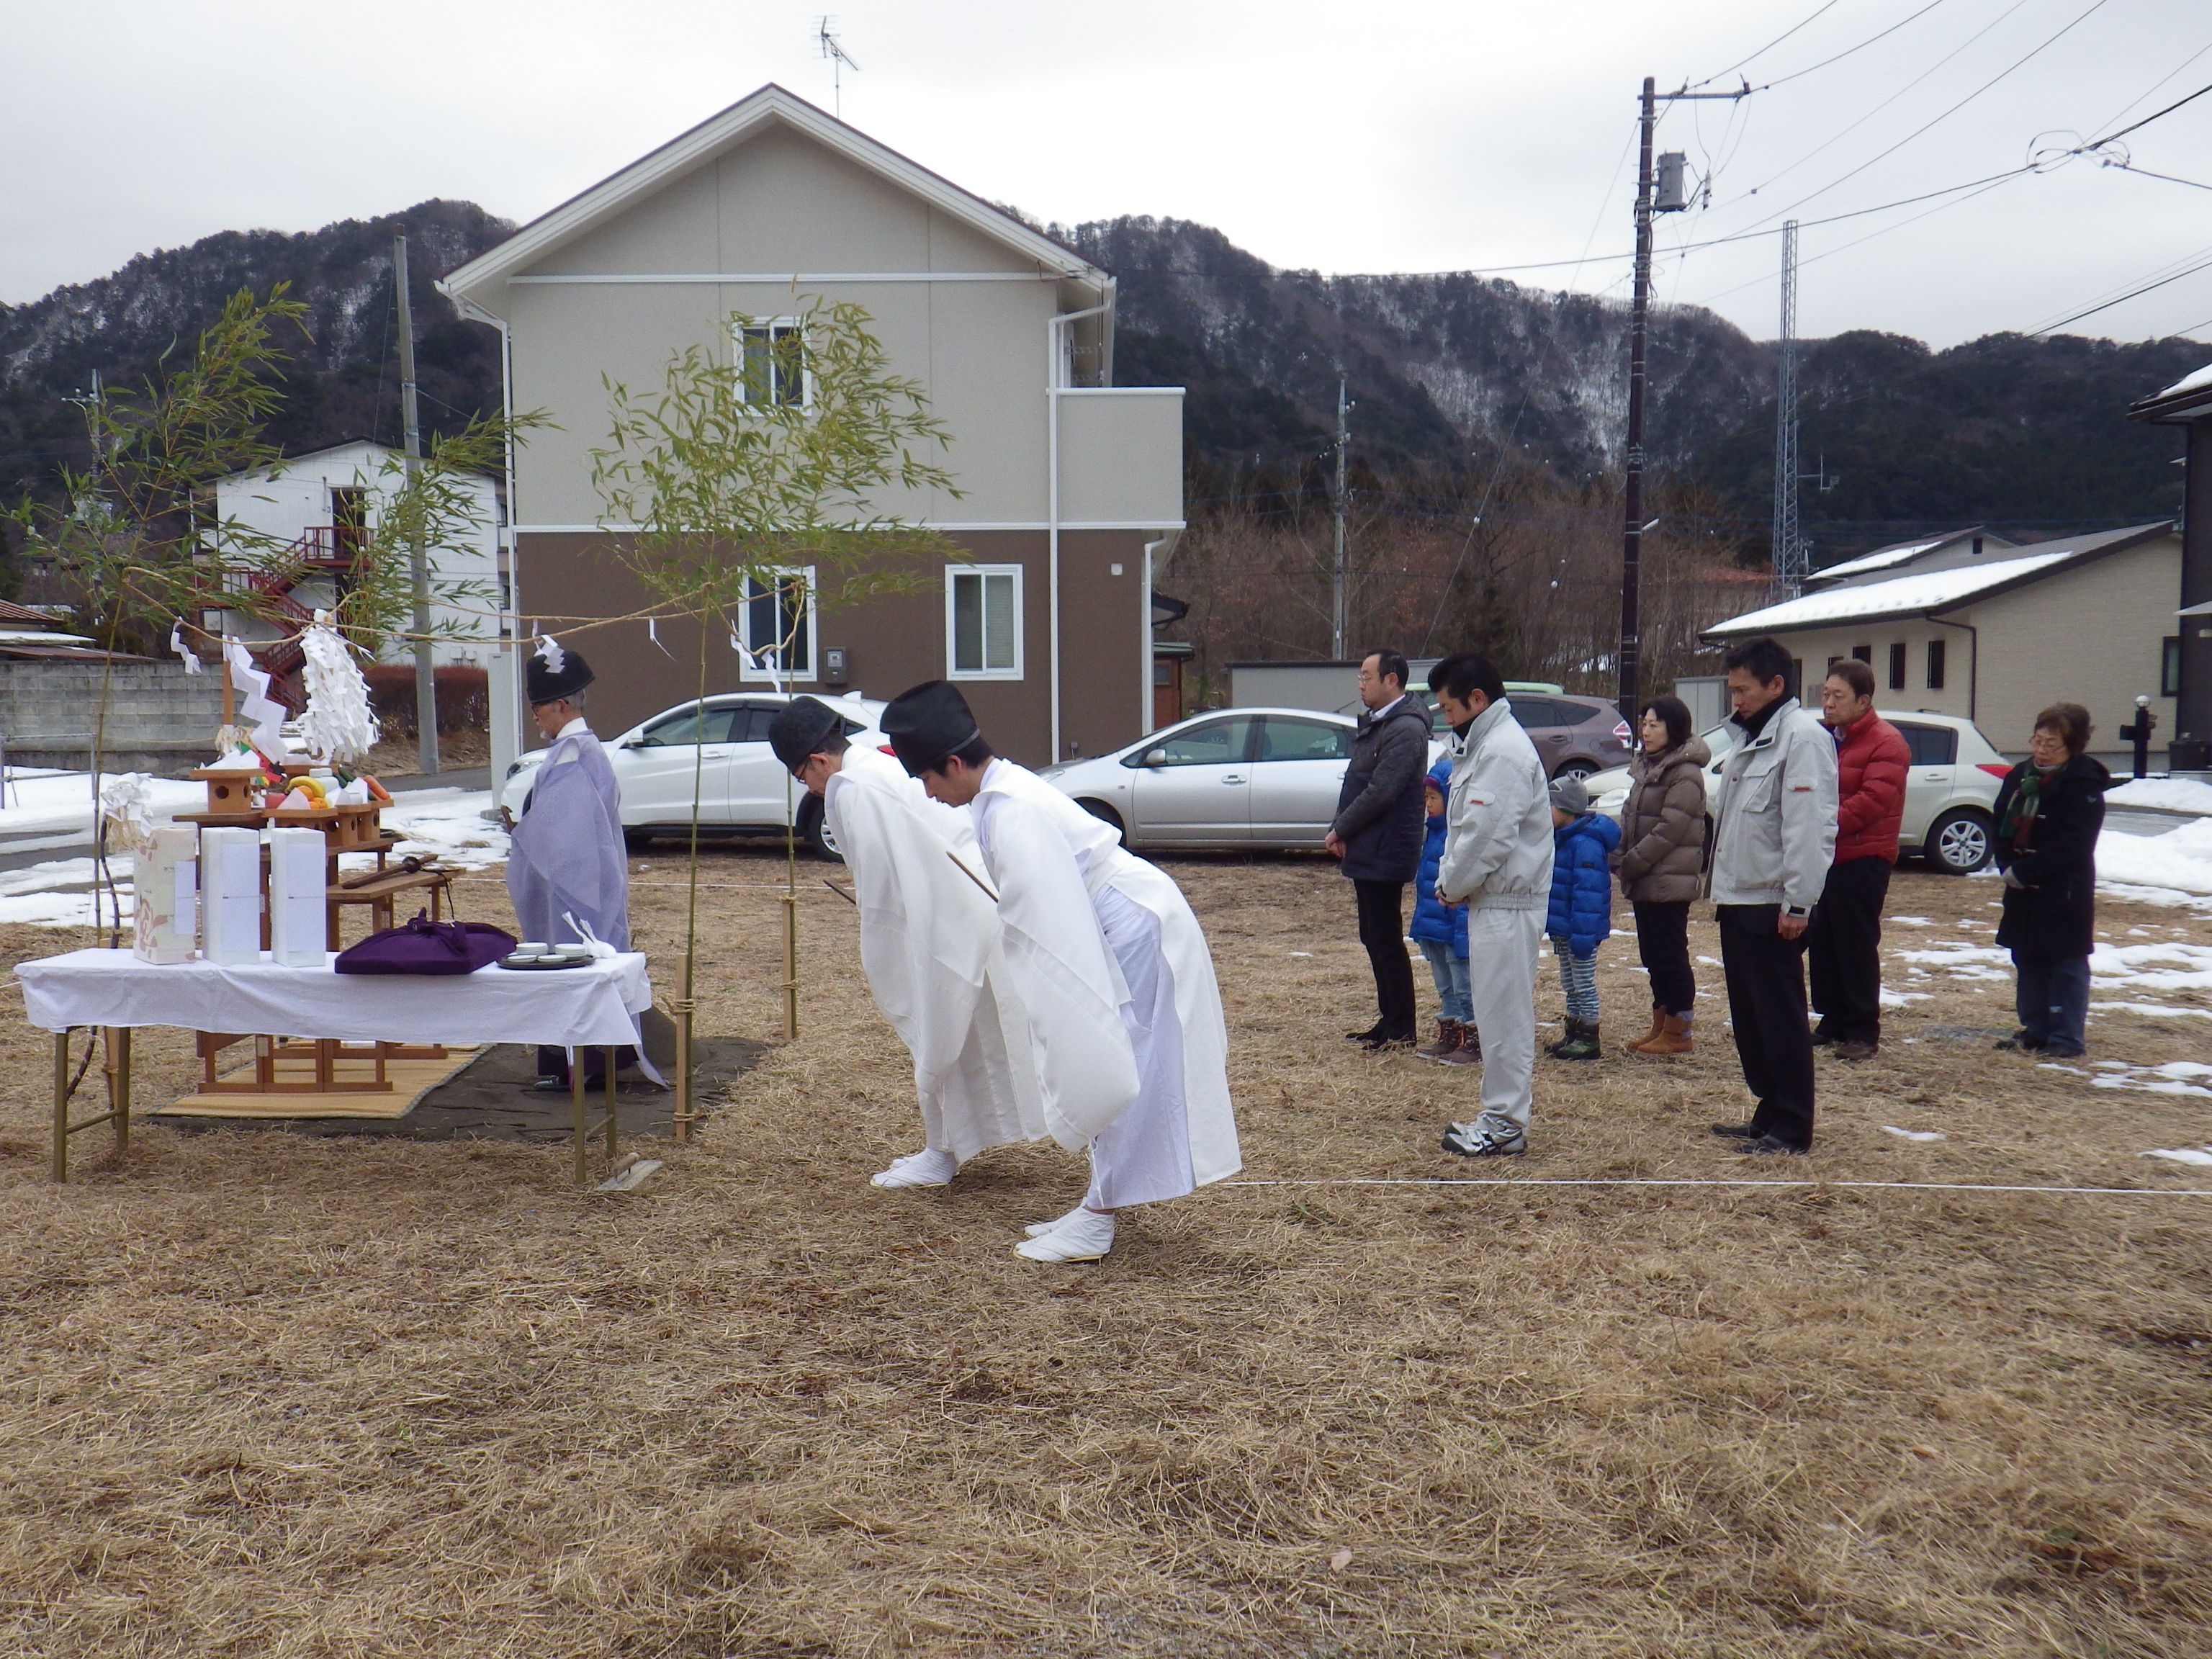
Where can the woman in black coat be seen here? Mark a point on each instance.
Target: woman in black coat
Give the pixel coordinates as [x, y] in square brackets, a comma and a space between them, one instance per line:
[2049, 813]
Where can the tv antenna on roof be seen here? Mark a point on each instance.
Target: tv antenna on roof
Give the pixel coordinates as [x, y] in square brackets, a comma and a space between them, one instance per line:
[840, 61]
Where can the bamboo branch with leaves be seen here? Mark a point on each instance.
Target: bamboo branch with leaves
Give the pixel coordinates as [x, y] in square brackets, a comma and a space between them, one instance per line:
[789, 448]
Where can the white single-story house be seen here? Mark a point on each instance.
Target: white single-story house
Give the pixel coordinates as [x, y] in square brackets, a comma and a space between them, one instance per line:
[1971, 624]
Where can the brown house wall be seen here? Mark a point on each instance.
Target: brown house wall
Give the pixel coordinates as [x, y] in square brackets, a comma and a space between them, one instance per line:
[890, 643]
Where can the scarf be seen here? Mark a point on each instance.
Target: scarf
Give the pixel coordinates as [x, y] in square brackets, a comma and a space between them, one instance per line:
[2017, 828]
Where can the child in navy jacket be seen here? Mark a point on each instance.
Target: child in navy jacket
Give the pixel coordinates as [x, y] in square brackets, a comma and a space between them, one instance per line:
[1440, 932]
[1580, 915]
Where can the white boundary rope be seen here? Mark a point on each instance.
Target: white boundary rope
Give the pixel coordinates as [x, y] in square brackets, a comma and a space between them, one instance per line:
[1878, 1186]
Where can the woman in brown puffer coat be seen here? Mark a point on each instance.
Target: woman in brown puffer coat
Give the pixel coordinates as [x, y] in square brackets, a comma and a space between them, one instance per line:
[1662, 864]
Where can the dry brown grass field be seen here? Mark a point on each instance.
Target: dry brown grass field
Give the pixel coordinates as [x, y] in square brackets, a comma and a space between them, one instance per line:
[268, 1394]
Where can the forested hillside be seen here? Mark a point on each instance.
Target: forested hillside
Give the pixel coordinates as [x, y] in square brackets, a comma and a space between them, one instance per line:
[1450, 372]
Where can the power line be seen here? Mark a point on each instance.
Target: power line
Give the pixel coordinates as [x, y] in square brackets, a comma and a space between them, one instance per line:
[1817, 13]
[1882, 106]
[2095, 7]
[1847, 52]
[2134, 294]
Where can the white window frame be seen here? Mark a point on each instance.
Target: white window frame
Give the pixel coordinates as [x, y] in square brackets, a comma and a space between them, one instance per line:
[773, 324]
[953, 575]
[801, 672]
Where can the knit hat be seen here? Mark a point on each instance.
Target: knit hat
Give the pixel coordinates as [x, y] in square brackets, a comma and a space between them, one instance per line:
[1570, 797]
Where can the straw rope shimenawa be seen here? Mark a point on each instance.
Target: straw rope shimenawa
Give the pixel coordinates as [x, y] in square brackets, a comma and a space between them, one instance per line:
[268, 1393]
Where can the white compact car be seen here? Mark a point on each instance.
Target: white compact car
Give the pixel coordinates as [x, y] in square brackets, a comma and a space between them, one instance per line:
[1237, 778]
[722, 745]
[1950, 791]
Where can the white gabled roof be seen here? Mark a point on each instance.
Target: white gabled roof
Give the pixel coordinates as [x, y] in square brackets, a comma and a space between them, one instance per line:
[770, 105]
[1911, 594]
[1932, 591]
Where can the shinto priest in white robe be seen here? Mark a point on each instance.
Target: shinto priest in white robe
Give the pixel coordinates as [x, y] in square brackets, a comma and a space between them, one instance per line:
[930, 945]
[1131, 1047]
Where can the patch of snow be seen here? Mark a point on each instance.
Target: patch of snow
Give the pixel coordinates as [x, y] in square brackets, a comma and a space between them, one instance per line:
[2112, 966]
[2181, 1154]
[1932, 589]
[2164, 795]
[1914, 1134]
[2179, 861]
[1902, 999]
[1911, 921]
[1962, 961]
[2154, 1008]
[1881, 559]
[2190, 382]
[1710, 962]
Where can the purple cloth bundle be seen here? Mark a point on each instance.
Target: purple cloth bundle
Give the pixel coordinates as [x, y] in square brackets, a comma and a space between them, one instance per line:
[424, 946]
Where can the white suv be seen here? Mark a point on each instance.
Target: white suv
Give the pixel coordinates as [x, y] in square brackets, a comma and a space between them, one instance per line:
[1950, 791]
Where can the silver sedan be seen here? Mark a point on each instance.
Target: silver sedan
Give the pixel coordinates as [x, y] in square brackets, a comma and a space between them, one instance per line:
[1235, 778]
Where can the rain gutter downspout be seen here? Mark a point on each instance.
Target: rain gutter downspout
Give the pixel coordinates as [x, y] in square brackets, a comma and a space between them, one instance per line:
[1052, 388]
[506, 722]
[1973, 664]
[1145, 700]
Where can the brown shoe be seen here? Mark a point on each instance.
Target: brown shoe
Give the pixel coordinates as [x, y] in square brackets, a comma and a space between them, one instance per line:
[1658, 1025]
[1469, 1052]
[1448, 1039]
[1674, 1038]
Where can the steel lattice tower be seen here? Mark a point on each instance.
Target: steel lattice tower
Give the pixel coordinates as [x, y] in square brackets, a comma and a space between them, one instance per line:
[1793, 555]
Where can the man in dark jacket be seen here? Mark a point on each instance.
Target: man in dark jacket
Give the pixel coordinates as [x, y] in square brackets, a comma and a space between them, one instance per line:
[1377, 835]
[1844, 941]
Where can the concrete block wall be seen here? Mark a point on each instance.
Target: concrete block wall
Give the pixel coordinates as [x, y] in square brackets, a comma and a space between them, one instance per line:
[159, 718]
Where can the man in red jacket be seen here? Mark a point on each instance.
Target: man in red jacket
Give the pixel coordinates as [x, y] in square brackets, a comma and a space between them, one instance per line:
[1846, 943]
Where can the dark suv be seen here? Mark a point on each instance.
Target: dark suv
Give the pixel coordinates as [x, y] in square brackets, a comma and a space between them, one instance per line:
[1574, 736]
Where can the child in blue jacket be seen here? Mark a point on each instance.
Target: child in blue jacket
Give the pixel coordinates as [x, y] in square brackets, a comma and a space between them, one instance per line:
[1581, 909]
[1440, 932]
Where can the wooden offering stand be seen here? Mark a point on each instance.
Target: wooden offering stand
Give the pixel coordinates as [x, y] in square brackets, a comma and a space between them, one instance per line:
[233, 804]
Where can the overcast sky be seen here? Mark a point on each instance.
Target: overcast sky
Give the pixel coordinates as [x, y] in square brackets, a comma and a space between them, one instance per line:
[1426, 134]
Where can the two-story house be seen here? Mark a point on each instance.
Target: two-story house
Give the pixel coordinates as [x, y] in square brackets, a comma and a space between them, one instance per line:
[1070, 488]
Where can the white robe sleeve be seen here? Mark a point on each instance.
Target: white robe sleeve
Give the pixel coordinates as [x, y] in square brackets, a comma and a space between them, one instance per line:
[930, 947]
[1070, 988]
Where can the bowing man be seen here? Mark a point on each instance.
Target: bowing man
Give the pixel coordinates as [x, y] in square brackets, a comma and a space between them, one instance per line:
[929, 944]
[565, 857]
[1125, 1016]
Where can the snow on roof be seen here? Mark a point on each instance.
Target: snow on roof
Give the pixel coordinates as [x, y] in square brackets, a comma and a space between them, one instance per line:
[1933, 590]
[1879, 561]
[2194, 382]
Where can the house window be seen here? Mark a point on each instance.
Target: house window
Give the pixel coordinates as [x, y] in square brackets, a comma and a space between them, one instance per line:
[983, 621]
[2169, 666]
[1936, 664]
[1862, 653]
[1897, 667]
[776, 626]
[773, 356]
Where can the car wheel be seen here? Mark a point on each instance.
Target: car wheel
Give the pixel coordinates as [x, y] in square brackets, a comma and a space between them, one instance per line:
[1577, 770]
[815, 833]
[1958, 842]
[1106, 815]
[637, 840]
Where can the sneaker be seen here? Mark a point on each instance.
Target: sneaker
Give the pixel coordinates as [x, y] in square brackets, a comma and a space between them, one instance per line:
[2063, 1051]
[1738, 1130]
[1856, 1050]
[2018, 1043]
[1768, 1146]
[1388, 1040]
[1481, 1140]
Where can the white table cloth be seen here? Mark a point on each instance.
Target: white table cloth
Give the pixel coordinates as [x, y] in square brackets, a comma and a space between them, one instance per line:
[572, 1007]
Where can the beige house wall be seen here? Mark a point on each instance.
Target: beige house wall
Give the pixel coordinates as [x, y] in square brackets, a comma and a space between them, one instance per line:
[2091, 635]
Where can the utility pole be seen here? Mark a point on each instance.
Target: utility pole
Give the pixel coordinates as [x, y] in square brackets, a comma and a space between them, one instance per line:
[1792, 557]
[1336, 618]
[418, 558]
[1667, 198]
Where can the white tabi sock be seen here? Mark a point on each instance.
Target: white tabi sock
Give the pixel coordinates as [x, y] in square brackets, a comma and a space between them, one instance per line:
[1085, 1237]
[1039, 1229]
[926, 1168]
